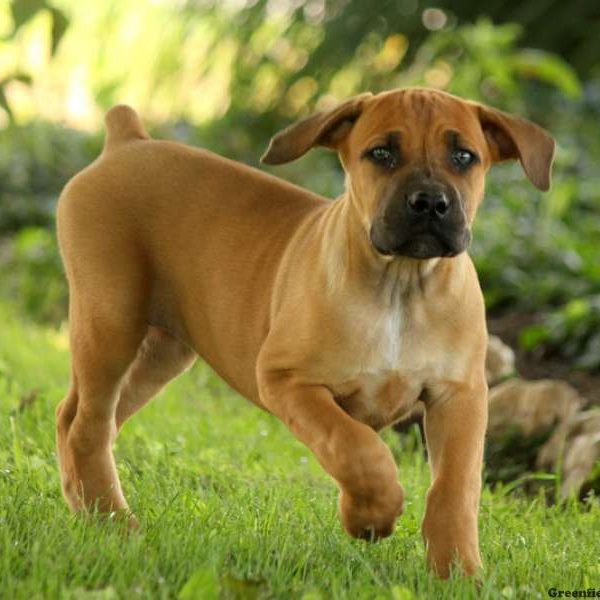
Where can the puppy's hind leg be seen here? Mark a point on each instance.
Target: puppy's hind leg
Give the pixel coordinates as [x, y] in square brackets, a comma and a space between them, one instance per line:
[103, 345]
[160, 358]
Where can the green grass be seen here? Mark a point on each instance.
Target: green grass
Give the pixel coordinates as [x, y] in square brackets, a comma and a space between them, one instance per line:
[232, 506]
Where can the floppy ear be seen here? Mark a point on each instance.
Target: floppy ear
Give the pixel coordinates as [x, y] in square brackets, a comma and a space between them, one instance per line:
[321, 129]
[510, 137]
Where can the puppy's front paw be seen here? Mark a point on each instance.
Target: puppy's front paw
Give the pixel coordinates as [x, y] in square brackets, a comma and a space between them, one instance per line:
[371, 517]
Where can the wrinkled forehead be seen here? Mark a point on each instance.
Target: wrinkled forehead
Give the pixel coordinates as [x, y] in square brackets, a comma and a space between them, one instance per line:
[417, 115]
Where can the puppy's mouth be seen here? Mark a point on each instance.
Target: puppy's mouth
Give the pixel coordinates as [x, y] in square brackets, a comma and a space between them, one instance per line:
[425, 245]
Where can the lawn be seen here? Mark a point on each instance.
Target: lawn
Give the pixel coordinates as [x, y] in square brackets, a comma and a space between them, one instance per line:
[232, 506]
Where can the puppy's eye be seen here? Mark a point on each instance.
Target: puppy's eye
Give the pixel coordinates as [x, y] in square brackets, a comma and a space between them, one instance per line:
[462, 158]
[383, 156]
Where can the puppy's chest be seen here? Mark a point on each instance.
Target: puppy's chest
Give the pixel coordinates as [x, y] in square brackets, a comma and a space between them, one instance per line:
[385, 368]
[377, 399]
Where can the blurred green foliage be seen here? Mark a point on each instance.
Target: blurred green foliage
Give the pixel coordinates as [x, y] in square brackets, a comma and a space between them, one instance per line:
[227, 75]
[538, 253]
[22, 12]
[31, 271]
[36, 160]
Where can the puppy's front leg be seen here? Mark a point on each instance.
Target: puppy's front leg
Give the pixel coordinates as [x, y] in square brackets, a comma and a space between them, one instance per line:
[352, 453]
[455, 424]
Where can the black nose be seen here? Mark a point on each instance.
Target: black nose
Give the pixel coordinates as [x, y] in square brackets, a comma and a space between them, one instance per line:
[428, 203]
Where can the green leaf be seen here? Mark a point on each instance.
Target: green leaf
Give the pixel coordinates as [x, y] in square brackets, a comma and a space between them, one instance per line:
[59, 26]
[534, 336]
[202, 585]
[4, 100]
[24, 10]
[577, 309]
[22, 77]
[549, 68]
[399, 592]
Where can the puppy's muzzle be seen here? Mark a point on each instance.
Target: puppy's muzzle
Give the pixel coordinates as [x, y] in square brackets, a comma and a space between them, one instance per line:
[423, 221]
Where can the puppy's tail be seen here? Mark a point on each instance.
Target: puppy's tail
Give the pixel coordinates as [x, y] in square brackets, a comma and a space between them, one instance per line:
[123, 125]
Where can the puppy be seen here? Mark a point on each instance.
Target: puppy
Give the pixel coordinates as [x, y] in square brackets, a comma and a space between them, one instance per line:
[337, 317]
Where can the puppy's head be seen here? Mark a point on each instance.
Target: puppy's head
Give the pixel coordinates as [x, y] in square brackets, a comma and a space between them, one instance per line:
[416, 161]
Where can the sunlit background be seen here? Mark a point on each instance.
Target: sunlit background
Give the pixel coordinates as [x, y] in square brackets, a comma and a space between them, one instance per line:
[227, 75]
[68, 61]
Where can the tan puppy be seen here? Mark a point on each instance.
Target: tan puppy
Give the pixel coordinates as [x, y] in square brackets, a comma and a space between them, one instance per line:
[334, 316]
